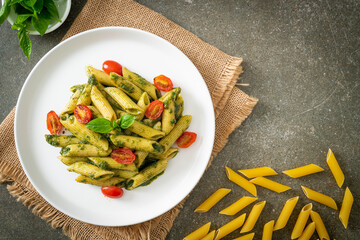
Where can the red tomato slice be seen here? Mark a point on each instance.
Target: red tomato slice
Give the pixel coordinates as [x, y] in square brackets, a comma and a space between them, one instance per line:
[123, 155]
[82, 113]
[112, 66]
[154, 109]
[112, 191]
[53, 123]
[163, 83]
[186, 139]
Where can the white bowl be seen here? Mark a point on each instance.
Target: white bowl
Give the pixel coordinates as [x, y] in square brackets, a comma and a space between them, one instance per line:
[63, 7]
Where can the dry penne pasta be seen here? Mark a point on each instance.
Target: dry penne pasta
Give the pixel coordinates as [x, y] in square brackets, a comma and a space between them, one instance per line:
[239, 180]
[253, 217]
[230, 227]
[199, 233]
[301, 221]
[308, 232]
[238, 205]
[269, 184]
[319, 197]
[212, 200]
[335, 168]
[303, 171]
[249, 236]
[268, 230]
[209, 236]
[285, 213]
[346, 206]
[319, 225]
[258, 172]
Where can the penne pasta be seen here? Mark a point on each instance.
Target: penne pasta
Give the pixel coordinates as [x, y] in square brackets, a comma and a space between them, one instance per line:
[145, 131]
[179, 106]
[212, 200]
[249, 236]
[303, 171]
[71, 104]
[113, 181]
[102, 104]
[90, 171]
[95, 112]
[85, 98]
[83, 150]
[124, 173]
[269, 184]
[308, 232]
[168, 116]
[253, 217]
[258, 172]
[136, 143]
[124, 101]
[169, 154]
[143, 103]
[109, 163]
[346, 206]
[61, 140]
[101, 76]
[285, 213]
[70, 160]
[140, 158]
[301, 221]
[319, 226]
[268, 230]
[230, 227]
[199, 233]
[319, 197]
[209, 236]
[125, 85]
[239, 180]
[238, 205]
[335, 168]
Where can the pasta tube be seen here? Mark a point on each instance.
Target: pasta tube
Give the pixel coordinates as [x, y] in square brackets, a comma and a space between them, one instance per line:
[124, 101]
[61, 140]
[141, 83]
[303, 171]
[157, 126]
[85, 98]
[95, 112]
[147, 174]
[145, 131]
[70, 160]
[308, 232]
[230, 227]
[140, 158]
[209, 236]
[102, 104]
[112, 102]
[124, 173]
[269, 184]
[286, 213]
[144, 101]
[168, 117]
[125, 85]
[176, 132]
[335, 168]
[319, 225]
[108, 162]
[238, 205]
[249, 236]
[199, 233]
[268, 230]
[113, 181]
[83, 133]
[83, 150]
[90, 171]
[70, 106]
[169, 154]
[301, 221]
[136, 143]
[346, 206]
[242, 182]
[319, 197]
[76, 87]
[179, 106]
[101, 76]
[212, 200]
[258, 172]
[253, 217]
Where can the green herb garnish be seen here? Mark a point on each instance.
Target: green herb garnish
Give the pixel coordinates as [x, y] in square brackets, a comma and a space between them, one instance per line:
[102, 125]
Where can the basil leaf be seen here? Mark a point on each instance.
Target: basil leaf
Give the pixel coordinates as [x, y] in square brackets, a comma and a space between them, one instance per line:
[4, 11]
[40, 24]
[15, 1]
[25, 42]
[38, 6]
[24, 5]
[115, 124]
[51, 7]
[100, 125]
[126, 121]
[30, 3]
[22, 18]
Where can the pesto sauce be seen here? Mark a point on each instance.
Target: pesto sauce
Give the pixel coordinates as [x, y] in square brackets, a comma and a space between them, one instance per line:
[104, 165]
[158, 147]
[127, 88]
[92, 80]
[52, 140]
[173, 121]
[64, 150]
[146, 183]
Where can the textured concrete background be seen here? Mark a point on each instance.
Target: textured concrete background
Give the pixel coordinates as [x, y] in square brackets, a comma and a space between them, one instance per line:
[302, 62]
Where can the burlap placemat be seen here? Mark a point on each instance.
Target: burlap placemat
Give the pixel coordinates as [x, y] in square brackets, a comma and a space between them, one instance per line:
[220, 72]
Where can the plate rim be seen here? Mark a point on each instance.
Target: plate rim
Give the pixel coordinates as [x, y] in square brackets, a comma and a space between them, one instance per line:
[17, 134]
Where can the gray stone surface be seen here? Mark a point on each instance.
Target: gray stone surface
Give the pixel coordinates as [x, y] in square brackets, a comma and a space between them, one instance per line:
[302, 62]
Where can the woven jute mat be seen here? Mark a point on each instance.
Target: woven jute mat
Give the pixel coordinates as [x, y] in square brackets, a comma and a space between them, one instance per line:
[220, 72]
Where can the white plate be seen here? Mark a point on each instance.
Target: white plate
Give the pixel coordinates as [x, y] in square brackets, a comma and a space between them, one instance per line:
[47, 88]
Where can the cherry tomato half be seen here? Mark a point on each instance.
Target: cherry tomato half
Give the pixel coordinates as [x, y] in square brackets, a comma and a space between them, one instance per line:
[82, 113]
[123, 155]
[163, 83]
[53, 123]
[186, 139]
[112, 191]
[154, 109]
[112, 66]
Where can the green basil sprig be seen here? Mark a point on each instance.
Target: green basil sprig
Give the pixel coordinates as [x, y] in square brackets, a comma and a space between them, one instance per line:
[37, 13]
[102, 125]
